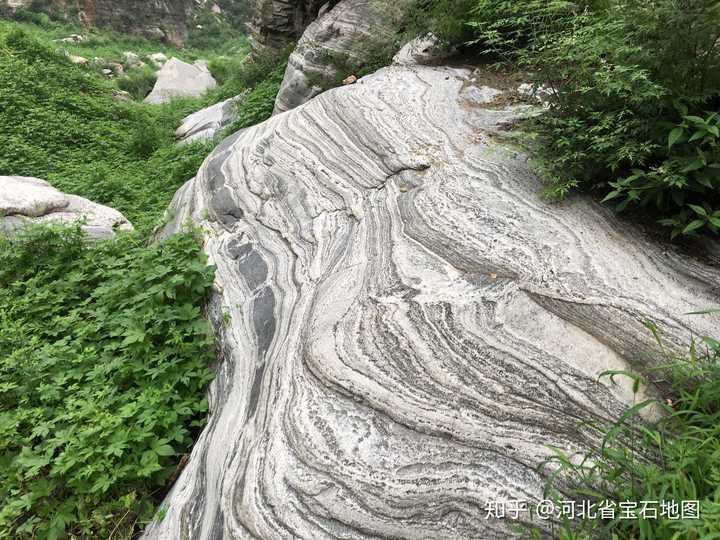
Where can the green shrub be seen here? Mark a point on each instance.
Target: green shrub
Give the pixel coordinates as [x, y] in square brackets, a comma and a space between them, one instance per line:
[634, 88]
[674, 459]
[448, 19]
[259, 104]
[104, 358]
[138, 82]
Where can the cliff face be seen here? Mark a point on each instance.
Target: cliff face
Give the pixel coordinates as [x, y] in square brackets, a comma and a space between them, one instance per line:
[274, 24]
[157, 19]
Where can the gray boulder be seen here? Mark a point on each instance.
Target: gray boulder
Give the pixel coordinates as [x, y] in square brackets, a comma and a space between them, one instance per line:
[180, 79]
[205, 124]
[335, 46]
[25, 200]
[405, 325]
[424, 50]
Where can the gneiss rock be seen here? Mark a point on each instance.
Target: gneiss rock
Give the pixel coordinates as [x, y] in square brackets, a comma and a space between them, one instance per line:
[337, 45]
[180, 79]
[26, 200]
[424, 50]
[205, 124]
[406, 326]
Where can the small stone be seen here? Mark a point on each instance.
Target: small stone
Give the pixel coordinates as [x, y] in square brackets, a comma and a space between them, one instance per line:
[352, 79]
[79, 60]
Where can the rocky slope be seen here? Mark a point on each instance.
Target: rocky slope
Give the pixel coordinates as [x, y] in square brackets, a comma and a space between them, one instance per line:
[405, 325]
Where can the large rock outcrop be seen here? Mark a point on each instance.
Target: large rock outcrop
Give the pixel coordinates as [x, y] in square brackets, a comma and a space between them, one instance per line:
[156, 19]
[180, 79]
[25, 200]
[275, 24]
[337, 45]
[405, 325]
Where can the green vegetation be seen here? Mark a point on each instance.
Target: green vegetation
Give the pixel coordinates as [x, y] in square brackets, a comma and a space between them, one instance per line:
[635, 88]
[674, 459]
[104, 352]
[61, 124]
[104, 358]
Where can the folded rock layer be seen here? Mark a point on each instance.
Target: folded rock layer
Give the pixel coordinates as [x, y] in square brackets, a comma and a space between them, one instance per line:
[405, 325]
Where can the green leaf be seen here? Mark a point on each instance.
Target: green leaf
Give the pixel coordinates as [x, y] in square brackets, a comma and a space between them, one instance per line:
[694, 225]
[698, 210]
[674, 136]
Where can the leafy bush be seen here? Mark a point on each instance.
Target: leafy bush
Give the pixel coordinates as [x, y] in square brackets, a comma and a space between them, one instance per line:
[448, 19]
[674, 459]
[138, 82]
[634, 87]
[259, 104]
[103, 362]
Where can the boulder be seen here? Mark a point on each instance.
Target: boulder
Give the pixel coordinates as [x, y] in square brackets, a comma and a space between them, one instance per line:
[26, 200]
[158, 59]
[423, 51]
[205, 124]
[132, 60]
[180, 79]
[121, 95]
[79, 60]
[337, 45]
[405, 325]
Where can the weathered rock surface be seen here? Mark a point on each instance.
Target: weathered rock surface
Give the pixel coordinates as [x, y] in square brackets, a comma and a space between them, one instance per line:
[180, 79]
[205, 124]
[410, 323]
[274, 24]
[31, 200]
[336, 45]
[422, 51]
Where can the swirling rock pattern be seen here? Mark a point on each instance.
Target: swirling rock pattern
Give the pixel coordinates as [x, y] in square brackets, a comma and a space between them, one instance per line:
[336, 45]
[404, 324]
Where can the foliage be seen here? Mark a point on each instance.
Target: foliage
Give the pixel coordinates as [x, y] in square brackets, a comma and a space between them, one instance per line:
[259, 104]
[138, 82]
[259, 77]
[448, 19]
[104, 358]
[634, 88]
[61, 124]
[674, 459]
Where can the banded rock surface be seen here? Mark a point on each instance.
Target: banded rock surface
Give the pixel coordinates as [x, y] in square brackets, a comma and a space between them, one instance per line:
[404, 324]
[26, 200]
[336, 45]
